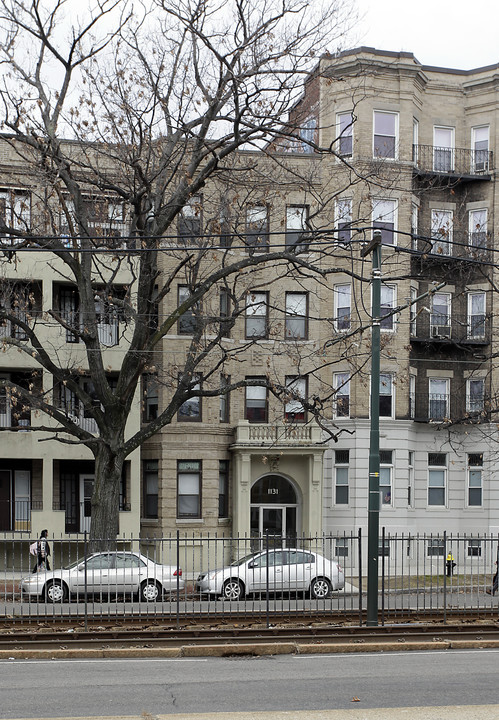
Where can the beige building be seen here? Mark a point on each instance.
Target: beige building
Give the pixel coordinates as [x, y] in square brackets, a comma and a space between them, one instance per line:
[410, 152]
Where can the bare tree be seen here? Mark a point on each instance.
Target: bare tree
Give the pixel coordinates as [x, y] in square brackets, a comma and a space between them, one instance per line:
[119, 123]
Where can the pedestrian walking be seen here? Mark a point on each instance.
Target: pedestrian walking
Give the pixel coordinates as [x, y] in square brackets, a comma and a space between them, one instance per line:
[42, 553]
[493, 589]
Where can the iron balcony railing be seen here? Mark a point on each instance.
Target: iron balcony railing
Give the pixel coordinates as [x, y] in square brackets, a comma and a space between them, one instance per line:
[454, 162]
[446, 243]
[444, 408]
[444, 327]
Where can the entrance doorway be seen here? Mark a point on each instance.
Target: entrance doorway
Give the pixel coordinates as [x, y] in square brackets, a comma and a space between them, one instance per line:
[274, 512]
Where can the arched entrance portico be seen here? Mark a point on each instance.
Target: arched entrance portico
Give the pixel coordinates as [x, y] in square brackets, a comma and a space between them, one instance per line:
[275, 510]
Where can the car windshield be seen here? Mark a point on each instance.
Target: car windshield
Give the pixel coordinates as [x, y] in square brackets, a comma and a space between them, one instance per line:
[244, 559]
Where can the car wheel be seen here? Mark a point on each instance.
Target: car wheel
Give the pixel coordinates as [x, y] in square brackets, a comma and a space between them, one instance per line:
[56, 592]
[150, 590]
[320, 588]
[233, 589]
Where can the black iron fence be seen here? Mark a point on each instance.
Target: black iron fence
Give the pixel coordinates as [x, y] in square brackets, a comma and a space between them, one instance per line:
[182, 576]
[452, 161]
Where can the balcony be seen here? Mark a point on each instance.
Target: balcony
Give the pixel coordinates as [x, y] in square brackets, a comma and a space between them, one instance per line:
[444, 408]
[278, 434]
[457, 329]
[446, 245]
[444, 163]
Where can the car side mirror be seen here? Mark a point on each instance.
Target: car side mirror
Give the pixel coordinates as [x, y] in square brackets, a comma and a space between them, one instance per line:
[251, 565]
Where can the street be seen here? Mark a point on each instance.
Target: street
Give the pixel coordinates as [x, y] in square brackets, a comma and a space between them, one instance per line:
[297, 684]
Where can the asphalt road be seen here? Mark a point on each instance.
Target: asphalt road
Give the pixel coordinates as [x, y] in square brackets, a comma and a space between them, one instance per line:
[145, 687]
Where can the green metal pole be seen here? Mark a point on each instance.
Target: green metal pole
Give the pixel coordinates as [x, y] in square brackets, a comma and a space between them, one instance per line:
[373, 500]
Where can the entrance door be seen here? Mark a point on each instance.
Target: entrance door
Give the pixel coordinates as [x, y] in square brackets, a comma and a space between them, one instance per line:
[277, 522]
[5, 508]
[86, 489]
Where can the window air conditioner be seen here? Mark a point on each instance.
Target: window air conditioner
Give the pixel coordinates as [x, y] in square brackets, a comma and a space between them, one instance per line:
[441, 331]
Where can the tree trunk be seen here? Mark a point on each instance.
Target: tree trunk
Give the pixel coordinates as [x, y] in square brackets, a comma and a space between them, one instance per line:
[104, 526]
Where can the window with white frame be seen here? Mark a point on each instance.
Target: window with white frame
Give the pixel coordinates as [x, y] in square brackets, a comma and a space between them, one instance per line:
[341, 488]
[440, 316]
[476, 314]
[151, 397]
[15, 212]
[412, 396]
[296, 325]
[441, 232]
[437, 479]
[477, 228]
[475, 479]
[308, 132]
[296, 226]
[443, 149]
[256, 406]
[190, 410]
[188, 489]
[257, 315]
[385, 477]
[341, 546]
[438, 399]
[343, 213]
[480, 148]
[385, 140]
[435, 547]
[344, 132]
[413, 311]
[384, 218]
[294, 410]
[341, 383]
[257, 227]
[187, 322]
[475, 395]
[387, 305]
[410, 479]
[342, 307]
[386, 404]
[189, 220]
[415, 140]
[474, 547]
[414, 225]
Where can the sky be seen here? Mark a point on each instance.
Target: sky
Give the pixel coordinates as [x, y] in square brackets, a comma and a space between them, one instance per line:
[458, 34]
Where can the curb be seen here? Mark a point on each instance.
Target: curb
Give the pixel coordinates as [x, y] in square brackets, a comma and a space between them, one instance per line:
[254, 649]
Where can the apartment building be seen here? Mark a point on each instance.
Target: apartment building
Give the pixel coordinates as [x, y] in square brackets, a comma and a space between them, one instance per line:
[411, 152]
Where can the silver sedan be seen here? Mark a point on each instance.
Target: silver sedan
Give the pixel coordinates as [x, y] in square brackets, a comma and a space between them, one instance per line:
[105, 573]
[277, 570]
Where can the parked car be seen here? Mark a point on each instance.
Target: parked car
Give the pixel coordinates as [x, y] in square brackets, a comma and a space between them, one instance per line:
[107, 573]
[278, 570]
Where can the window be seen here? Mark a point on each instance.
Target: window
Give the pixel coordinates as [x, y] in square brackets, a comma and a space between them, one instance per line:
[475, 468]
[443, 149]
[187, 322]
[440, 316]
[385, 477]
[256, 401]
[68, 304]
[480, 148]
[294, 410]
[257, 227]
[386, 395]
[474, 548]
[384, 219]
[341, 547]
[296, 226]
[415, 140]
[438, 399]
[441, 232]
[436, 547]
[387, 305]
[150, 486]
[478, 229]
[188, 489]
[308, 132]
[296, 316]
[437, 477]
[344, 131]
[385, 134]
[410, 479]
[341, 463]
[15, 212]
[190, 410]
[224, 399]
[414, 225]
[22, 302]
[412, 396]
[150, 397]
[384, 547]
[476, 315]
[475, 392]
[257, 315]
[225, 313]
[223, 488]
[341, 382]
[413, 311]
[342, 307]
[344, 220]
[189, 221]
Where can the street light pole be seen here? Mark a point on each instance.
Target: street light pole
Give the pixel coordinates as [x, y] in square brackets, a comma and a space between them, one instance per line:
[374, 247]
